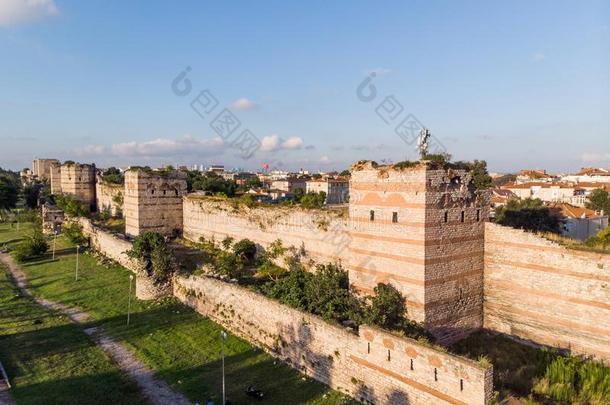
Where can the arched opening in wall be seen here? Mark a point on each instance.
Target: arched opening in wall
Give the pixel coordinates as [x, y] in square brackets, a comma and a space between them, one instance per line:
[462, 216]
[461, 384]
[389, 356]
[368, 348]
[371, 215]
[395, 217]
[412, 364]
[164, 191]
[446, 216]
[478, 215]
[435, 374]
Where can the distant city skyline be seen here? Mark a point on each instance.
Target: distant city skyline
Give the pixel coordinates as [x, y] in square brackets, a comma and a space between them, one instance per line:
[520, 85]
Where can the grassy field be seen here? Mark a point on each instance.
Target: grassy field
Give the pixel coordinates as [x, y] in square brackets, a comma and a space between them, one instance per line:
[180, 345]
[49, 359]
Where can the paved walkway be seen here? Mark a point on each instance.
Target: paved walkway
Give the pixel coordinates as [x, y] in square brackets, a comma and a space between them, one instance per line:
[155, 390]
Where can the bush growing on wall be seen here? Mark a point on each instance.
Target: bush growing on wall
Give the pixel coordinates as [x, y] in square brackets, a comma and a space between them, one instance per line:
[71, 206]
[158, 257]
[528, 214]
[387, 308]
[74, 233]
[245, 250]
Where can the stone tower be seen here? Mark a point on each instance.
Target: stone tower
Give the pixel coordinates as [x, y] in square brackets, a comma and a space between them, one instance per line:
[153, 201]
[79, 180]
[55, 179]
[420, 226]
[41, 168]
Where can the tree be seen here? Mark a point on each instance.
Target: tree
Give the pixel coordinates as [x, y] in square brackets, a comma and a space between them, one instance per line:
[31, 194]
[33, 246]
[245, 250]
[74, 233]
[157, 256]
[298, 194]
[482, 179]
[71, 206]
[10, 184]
[528, 214]
[601, 239]
[387, 308]
[313, 199]
[113, 175]
[599, 199]
[345, 173]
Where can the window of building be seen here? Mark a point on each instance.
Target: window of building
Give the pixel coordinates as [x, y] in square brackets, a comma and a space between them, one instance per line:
[372, 215]
[462, 217]
[395, 217]
[478, 215]
[446, 216]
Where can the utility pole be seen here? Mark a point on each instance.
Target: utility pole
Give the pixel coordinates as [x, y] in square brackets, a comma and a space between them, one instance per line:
[76, 271]
[223, 336]
[129, 299]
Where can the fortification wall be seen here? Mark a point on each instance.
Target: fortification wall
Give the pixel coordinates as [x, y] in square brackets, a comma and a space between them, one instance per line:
[107, 195]
[321, 234]
[541, 291]
[373, 366]
[109, 244]
[153, 202]
[79, 180]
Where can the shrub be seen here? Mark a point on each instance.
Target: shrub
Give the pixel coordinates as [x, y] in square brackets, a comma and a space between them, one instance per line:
[74, 233]
[245, 250]
[227, 242]
[387, 308]
[229, 264]
[158, 257]
[33, 246]
[270, 270]
[313, 199]
[71, 206]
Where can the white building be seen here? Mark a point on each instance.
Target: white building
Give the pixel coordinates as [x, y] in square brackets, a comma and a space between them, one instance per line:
[337, 190]
[580, 223]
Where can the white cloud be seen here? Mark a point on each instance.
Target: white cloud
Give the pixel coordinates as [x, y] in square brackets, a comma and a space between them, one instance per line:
[273, 143]
[595, 157]
[270, 143]
[325, 160]
[14, 12]
[160, 147]
[293, 142]
[538, 57]
[243, 104]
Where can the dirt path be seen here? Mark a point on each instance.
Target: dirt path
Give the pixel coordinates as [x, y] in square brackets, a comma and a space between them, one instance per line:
[155, 390]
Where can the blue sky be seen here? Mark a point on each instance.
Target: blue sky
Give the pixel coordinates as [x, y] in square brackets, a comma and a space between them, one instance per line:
[519, 84]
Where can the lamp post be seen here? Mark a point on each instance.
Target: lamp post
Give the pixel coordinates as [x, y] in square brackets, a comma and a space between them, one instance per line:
[54, 238]
[76, 271]
[223, 336]
[129, 299]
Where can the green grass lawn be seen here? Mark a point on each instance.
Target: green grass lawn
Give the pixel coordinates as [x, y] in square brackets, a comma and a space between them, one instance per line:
[180, 345]
[51, 361]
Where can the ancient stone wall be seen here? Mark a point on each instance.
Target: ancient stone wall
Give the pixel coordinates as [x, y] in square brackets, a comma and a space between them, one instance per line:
[373, 366]
[41, 168]
[320, 234]
[79, 180]
[538, 290]
[55, 178]
[111, 245]
[153, 202]
[109, 197]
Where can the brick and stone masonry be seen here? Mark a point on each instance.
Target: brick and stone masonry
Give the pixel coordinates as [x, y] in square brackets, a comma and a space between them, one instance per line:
[541, 291]
[79, 180]
[55, 178]
[419, 228]
[41, 168]
[371, 365]
[153, 201]
[109, 197]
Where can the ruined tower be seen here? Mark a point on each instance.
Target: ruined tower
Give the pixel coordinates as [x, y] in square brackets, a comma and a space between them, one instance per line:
[55, 178]
[420, 227]
[79, 180]
[153, 201]
[41, 168]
